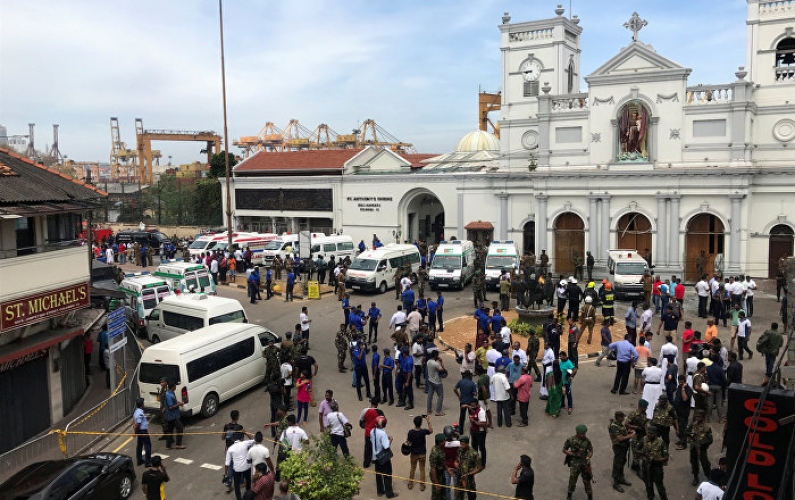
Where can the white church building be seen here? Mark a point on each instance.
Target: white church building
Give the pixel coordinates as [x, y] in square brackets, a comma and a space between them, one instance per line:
[639, 160]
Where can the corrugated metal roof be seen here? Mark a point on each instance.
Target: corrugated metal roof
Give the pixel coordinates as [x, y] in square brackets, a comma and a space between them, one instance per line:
[35, 183]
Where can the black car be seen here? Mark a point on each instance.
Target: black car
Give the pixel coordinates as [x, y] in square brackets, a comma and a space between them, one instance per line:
[102, 476]
[149, 238]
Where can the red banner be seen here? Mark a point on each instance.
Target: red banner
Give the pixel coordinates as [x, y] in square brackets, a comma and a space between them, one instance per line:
[35, 308]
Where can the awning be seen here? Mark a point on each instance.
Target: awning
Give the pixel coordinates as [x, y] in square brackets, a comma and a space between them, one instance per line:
[479, 226]
[30, 346]
[46, 208]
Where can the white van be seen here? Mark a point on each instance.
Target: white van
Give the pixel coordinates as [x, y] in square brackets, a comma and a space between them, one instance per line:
[339, 246]
[501, 255]
[375, 269]
[453, 265]
[186, 277]
[186, 313]
[626, 268]
[208, 366]
[280, 245]
[143, 292]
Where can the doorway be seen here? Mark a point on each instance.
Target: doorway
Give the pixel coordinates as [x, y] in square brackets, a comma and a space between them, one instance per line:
[569, 241]
[781, 243]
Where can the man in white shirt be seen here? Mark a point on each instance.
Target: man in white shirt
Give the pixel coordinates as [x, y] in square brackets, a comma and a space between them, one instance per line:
[398, 319]
[405, 283]
[743, 334]
[505, 333]
[286, 371]
[414, 320]
[702, 290]
[737, 291]
[750, 287]
[710, 490]
[668, 350]
[293, 437]
[646, 320]
[237, 459]
[259, 454]
[502, 395]
[109, 256]
[492, 355]
[516, 350]
[303, 318]
[546, 362]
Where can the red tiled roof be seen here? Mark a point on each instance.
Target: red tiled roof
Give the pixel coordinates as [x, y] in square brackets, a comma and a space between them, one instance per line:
[295, 162]
[416, 159]
[44, 182]
[475, 225]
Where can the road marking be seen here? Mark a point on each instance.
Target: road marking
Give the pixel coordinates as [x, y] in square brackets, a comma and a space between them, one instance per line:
[185, 461]
[211, 466]
[161, 455]
[123, 444]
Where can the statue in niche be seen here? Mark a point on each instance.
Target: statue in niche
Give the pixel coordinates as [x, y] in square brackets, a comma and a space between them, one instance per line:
[632, 132]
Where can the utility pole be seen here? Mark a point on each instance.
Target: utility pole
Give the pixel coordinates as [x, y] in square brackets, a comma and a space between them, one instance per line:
[229, 228]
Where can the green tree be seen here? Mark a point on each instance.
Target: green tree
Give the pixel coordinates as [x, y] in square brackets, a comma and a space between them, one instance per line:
[318, 472]
[218, 166]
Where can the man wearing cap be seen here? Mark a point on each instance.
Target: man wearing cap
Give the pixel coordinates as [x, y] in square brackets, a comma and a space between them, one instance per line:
[700, 438]
[437, 468]
[588, 317]
[573, 296]
[655, 456]
[468, 464]
[607, 297]
[621, 438]
[141, 429]
[270, 353]
[579, 450]
[664, 417]
[636, 421]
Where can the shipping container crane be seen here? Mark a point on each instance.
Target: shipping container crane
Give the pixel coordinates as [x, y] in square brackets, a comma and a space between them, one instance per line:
[296, 136]
[122, 159]
[370, 133]
[145, 137]
[323, 137]
[488, 102]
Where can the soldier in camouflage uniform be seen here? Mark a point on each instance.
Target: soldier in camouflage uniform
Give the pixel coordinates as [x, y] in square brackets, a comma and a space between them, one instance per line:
[478, 287]
[655, 457]
[396, 279]
[700, 437]
[664, 417]
[532, 355]
[636, 421]
[579, 450]
[272, 364]
[437, 468]
[469, 464]
[544, 260]
[341, 342]
[341, 284]
[287, 348]
[422, 279]
[621, 437]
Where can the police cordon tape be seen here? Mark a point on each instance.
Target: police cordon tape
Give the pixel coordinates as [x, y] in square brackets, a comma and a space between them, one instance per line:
[62, 436]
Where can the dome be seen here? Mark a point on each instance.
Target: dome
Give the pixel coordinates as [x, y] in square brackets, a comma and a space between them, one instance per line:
[478, 140]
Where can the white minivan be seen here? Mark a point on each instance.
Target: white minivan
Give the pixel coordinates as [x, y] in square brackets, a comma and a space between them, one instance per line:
[188, 312]
[375, 269]
[502, 255]
[208, 366]
[340, 246]
[626, 268]
[453, 265]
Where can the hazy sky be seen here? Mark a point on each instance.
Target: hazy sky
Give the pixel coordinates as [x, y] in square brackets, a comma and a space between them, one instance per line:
[413, 66]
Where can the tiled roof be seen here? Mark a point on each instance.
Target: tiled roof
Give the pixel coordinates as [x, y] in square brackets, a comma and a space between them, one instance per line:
[475, 225]
[30, 182]
[297, 162]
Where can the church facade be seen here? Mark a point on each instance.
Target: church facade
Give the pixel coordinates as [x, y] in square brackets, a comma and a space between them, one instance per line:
[640, 160]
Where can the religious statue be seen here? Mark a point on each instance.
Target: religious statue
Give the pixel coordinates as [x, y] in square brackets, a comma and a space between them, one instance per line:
[632, 133]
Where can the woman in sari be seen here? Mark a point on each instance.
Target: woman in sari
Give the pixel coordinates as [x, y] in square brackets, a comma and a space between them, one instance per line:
[554, 384]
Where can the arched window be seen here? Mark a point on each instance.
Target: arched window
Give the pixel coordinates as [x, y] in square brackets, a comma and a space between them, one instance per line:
[785, 53]
[571, 76]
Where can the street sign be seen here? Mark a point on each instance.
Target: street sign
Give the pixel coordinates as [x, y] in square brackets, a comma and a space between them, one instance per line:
[118, 344]
[314, 289]
[116, 323]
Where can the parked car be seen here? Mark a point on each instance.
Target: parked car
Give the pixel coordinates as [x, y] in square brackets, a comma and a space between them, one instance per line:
[102, 476]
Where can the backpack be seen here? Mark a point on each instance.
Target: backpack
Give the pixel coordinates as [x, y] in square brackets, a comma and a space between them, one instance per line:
[763, 343]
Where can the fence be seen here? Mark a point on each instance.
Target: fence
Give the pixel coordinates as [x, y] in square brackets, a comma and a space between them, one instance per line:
[87, 430]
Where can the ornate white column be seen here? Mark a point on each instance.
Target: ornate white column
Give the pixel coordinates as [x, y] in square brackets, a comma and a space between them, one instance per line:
[503, 216]
[460, 218]
[674, 259]
[735, 232]
[604, 230]
[593, 244]
[541, 222]
[660, 256]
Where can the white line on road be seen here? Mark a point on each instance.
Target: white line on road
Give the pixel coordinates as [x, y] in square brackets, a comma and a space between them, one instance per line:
[211, 466]
[185, 461]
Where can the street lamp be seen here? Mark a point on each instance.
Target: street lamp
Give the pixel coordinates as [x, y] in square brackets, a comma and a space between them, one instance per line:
[229, 228]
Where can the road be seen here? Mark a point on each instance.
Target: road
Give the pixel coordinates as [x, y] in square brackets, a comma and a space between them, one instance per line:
[196, 471]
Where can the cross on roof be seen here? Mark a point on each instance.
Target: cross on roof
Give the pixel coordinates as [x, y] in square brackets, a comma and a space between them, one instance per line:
[635, 24]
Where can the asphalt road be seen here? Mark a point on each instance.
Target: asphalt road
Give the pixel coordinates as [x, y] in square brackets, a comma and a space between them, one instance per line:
[196, 471]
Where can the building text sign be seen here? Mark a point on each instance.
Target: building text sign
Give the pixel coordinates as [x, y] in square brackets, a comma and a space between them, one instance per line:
[369, 203]
[35, 308]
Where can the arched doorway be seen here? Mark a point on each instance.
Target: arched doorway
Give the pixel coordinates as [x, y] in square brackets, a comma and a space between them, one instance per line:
[634, 232]
[569, 241]
[782, 238]
[529, 237]
[705, 232]
[424, 218]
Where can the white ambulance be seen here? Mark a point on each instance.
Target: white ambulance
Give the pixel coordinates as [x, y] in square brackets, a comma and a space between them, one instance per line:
[375, 269]
[501, 256]
[453, 265]
[626, 269]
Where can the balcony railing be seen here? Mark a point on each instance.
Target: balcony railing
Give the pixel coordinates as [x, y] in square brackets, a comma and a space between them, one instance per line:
[709, 94]
[570, 102]
[785, 74]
